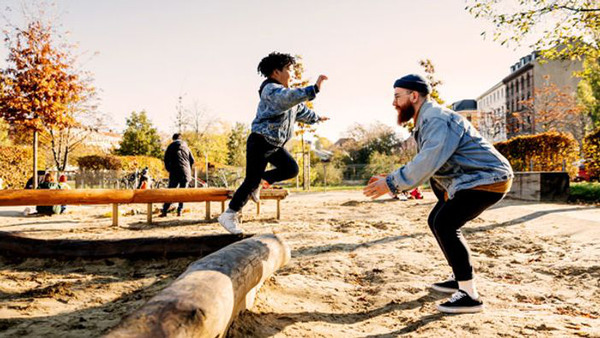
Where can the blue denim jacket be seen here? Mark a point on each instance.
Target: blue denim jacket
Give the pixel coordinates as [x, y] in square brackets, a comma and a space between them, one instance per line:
[278, 110]
[451, 152]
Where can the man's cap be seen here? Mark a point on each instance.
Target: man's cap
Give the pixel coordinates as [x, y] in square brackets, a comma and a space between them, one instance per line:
[413, 82]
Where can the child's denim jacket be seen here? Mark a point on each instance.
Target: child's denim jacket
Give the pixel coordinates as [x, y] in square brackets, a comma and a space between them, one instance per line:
[279, 108]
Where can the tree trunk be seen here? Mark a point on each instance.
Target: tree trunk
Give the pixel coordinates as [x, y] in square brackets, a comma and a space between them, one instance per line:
[210, 294]
[35, 146]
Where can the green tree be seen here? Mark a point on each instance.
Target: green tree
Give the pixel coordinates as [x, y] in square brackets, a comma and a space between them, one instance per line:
[374, 138]
[236, 143]
[588, 89]
[560, 28]
[140, 137]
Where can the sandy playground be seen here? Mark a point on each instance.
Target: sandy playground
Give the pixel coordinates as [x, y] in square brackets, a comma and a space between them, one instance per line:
[359, 268]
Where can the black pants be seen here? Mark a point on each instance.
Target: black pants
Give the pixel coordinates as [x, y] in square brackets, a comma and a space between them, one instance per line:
[446, 219]
[180, 182]
[258, 153]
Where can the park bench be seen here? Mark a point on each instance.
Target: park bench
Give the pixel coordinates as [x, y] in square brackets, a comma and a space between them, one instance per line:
[115, 197]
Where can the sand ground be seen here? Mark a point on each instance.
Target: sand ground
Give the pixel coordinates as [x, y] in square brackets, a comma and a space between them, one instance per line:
[359, 268]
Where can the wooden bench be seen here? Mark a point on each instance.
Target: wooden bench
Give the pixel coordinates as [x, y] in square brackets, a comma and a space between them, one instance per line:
[139, 196]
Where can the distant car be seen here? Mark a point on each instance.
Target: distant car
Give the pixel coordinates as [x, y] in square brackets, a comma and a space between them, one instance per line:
[582, 173]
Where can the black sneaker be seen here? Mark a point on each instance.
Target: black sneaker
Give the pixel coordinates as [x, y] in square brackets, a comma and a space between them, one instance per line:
[449, 286]
[461, 302]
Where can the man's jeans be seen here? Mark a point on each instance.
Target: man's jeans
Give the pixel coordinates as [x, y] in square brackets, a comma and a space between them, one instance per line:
[174, 183]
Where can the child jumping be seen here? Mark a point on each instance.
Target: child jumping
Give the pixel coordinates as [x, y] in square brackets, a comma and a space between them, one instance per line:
[278, 109]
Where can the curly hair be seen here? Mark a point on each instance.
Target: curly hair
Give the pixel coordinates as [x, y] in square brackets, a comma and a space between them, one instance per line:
[274, 61]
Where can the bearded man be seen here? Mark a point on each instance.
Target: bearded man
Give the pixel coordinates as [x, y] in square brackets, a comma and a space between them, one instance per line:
[466, 173]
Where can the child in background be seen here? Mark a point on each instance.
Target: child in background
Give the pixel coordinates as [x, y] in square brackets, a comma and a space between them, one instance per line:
[62, 182]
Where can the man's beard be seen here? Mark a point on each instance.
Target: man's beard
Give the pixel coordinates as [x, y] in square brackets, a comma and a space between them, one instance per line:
[405, 113]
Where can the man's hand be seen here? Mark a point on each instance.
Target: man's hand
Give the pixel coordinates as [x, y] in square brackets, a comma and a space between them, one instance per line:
[377, 187]
[320, 80]
[323, 119]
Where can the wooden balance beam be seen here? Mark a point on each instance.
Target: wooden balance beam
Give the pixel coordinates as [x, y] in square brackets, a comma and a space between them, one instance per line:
[120, 196]
[210, 294]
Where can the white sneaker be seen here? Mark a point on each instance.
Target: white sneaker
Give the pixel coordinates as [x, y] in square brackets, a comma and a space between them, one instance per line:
[402, 197]
[230, 221]
[255, 195]
[26, 212]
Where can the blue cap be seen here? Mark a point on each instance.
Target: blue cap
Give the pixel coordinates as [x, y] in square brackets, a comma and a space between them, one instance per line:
[413, 82]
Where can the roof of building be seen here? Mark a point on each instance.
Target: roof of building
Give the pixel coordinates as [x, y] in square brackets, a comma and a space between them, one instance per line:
[468, 104]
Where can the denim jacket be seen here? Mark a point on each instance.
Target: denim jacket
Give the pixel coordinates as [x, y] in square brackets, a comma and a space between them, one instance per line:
[451, 152]
[279, 108]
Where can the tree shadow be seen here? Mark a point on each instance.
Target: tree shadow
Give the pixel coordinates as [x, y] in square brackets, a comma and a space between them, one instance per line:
[279, 321]
[524, 218]
[349, 247]
[90, 321]
[142, 225]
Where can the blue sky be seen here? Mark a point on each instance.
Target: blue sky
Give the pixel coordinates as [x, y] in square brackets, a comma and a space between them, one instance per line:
[151, 52]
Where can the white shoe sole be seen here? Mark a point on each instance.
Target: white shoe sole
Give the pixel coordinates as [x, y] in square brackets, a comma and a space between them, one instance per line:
[443, 289]
[470, 309]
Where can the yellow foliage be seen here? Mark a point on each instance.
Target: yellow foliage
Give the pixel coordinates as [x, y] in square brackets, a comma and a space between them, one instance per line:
[546, 151]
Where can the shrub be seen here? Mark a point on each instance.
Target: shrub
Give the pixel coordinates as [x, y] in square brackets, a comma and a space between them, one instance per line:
[124, 163]
[155, 166]
[16, 165]
[334, 174]
[591, 151]
[99, 162]
[547, 151]
[380, 163]
[585, 192]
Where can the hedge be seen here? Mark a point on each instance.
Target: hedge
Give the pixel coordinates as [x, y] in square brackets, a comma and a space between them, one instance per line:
[16, 165]
[591, 151]
[547, 151]
[123, 163]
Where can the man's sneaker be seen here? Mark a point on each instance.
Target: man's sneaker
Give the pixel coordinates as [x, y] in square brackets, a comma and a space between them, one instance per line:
[461, 302]
[178, 213]
[448, 286]
[255, 195]
[230, 221]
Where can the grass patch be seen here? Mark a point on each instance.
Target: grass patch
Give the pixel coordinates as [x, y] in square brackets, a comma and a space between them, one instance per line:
[585, 192]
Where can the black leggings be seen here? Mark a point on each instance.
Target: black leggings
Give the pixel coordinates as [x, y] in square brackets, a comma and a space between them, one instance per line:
[446, 219]
[258, 153]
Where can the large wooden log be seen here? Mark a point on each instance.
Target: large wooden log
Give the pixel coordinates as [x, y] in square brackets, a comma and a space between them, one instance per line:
[206, 298]
[64, 197]
[19, 246]
[110, 196]
[121, 196]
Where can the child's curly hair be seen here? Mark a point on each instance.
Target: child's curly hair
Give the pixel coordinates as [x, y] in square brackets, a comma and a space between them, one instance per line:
[274, 61]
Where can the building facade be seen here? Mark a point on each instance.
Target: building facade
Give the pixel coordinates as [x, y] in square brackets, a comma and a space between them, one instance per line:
[491, 107]
[527, 76]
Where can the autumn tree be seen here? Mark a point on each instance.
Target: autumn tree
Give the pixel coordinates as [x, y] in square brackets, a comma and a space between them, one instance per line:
[555, 109]
[571, 25]
[140, 137]
[182, 118]
[42, 87]
[236, 144]
[429, 70]
[304, 129]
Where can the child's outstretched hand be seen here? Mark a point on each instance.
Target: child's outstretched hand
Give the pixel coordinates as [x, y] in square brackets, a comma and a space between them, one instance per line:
[320, 80]
[323, 119]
